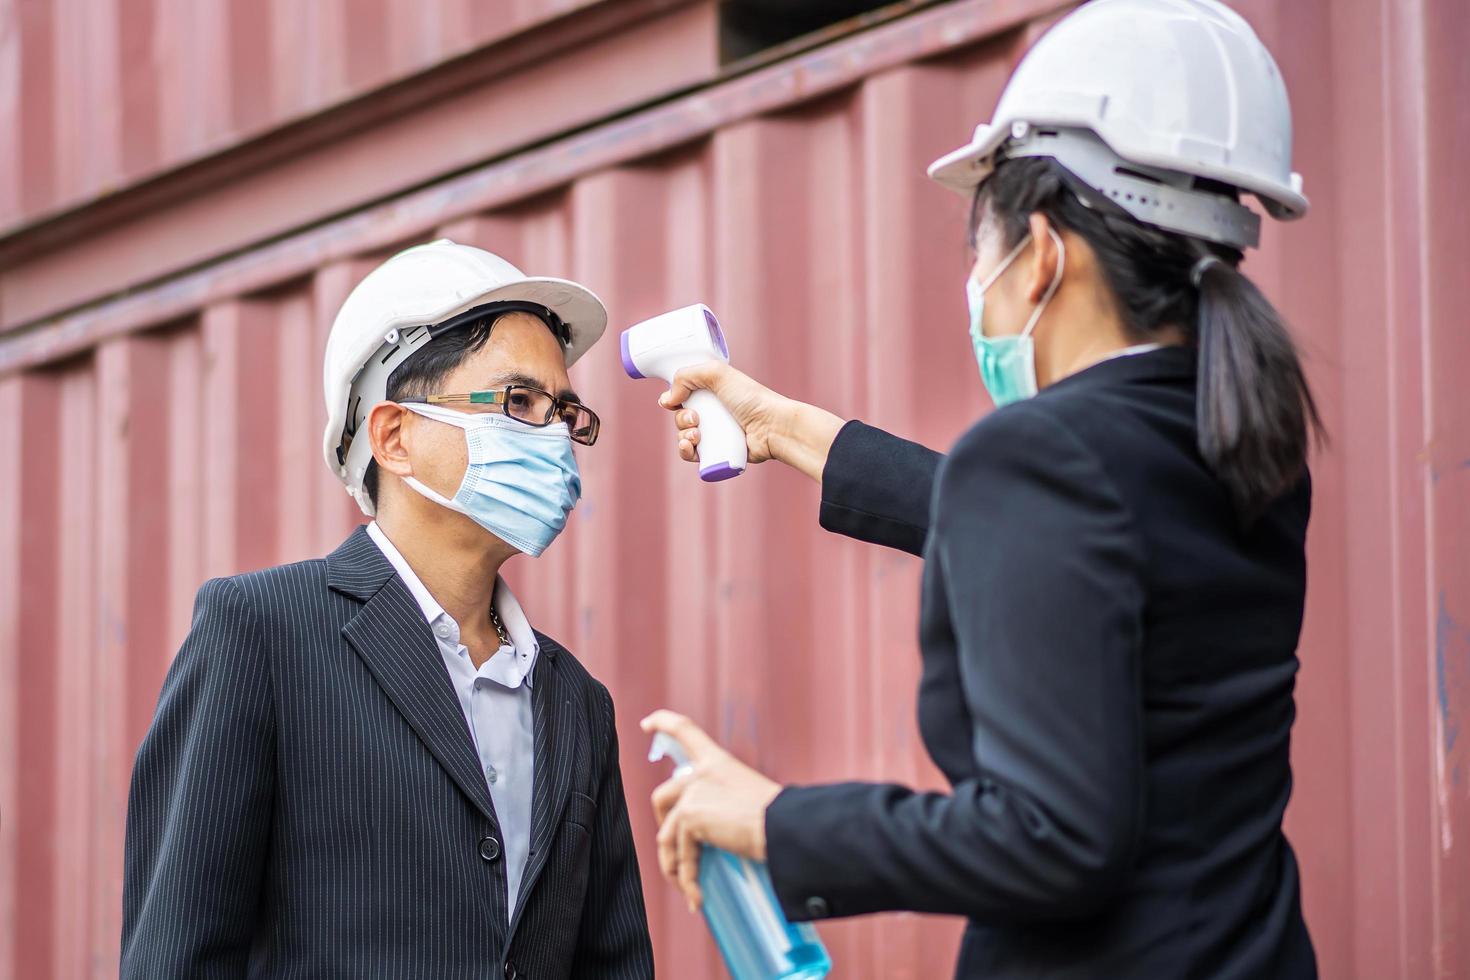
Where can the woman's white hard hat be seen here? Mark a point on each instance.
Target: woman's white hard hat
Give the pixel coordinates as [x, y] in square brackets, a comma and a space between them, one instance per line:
[1138, 99]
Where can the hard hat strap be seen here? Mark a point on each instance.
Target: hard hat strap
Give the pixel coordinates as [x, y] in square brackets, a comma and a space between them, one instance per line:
[560, 330]
[1163, 198]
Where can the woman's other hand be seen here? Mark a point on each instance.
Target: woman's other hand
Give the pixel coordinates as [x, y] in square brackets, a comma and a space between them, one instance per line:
[721, 802]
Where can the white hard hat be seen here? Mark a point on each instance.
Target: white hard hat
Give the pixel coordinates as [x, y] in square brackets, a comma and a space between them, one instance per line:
[413, 297]
[1137, 98]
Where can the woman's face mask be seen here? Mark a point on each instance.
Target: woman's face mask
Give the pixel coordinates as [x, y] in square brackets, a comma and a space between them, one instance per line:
[520, 482]
[1008, 364]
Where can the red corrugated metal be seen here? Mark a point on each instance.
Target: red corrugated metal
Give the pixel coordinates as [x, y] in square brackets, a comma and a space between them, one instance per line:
[175, 81]
[502, 97]
[173, 434]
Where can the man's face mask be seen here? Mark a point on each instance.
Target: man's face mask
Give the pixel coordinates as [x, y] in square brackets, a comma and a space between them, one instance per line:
[521, 481]
[1008, 364]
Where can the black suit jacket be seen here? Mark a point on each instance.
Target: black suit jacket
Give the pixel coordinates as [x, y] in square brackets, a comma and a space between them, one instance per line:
[308, 801]
[1108, 662]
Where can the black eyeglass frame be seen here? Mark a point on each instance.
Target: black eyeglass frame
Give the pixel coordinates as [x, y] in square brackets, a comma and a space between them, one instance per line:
[584, 435]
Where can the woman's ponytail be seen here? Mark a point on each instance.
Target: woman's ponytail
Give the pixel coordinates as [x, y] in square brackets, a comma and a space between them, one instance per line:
[1254, 410]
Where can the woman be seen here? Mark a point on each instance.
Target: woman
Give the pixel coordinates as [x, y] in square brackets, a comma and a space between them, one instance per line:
[1113, 568]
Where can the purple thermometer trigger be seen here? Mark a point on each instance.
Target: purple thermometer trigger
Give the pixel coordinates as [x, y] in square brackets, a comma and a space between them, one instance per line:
[717, 472]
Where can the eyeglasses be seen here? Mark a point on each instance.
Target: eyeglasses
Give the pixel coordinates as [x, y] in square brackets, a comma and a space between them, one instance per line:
[533, 407]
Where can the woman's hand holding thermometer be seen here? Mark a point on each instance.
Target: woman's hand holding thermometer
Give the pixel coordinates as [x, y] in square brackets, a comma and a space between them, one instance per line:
[682, 338]
[773, 426]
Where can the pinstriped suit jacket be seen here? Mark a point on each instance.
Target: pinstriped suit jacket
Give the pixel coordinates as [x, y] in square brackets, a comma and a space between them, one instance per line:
[308, 802]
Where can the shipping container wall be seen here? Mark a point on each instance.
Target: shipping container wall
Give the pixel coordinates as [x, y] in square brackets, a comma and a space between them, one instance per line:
[511, 90]
[101, 93]
[174, 434]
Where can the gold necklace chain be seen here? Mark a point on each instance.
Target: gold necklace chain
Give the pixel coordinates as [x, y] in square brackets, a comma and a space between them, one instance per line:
[499, 627]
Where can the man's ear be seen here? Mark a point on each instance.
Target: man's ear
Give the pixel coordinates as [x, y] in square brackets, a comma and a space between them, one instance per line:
[1041, 268]
[385, 430]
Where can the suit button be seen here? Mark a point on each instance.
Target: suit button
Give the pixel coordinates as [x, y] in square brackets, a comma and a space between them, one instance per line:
[489, 848]
[816, 907]
[511, 973]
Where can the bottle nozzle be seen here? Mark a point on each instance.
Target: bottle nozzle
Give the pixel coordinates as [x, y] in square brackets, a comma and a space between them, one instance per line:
[665, 746]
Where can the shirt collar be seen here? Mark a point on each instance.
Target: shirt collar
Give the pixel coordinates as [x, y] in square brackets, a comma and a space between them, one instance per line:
[1169, 363]
[507, 607]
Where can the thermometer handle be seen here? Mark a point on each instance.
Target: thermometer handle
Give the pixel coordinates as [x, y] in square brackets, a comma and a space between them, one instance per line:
[721, 440]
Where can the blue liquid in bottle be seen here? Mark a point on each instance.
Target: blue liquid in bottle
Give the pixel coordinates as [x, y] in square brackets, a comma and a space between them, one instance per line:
[745, 916]
[743, 913]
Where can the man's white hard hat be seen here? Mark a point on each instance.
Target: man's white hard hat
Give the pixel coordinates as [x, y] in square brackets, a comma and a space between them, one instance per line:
[414, 296]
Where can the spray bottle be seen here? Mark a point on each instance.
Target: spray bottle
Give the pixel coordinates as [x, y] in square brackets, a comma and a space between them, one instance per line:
[742, 910]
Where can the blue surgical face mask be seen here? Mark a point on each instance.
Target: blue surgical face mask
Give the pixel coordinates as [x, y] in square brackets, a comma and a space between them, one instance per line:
[521, 481]
[1008, 364]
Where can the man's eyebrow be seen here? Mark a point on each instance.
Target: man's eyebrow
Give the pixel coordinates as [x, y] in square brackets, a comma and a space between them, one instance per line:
[517, 378]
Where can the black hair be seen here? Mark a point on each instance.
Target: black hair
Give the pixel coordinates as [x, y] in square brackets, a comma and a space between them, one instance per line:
[426, 370]
[1254, 410]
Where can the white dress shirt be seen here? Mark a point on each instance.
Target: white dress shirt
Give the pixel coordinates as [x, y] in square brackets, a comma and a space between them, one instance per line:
[496, 700]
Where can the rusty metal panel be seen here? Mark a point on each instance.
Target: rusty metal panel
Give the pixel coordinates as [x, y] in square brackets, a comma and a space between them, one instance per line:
[1441, 355]
[475, 108]
[173, 434]
[182, 78]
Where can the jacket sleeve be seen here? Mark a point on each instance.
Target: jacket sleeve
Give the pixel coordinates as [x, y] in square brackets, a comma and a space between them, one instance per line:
[612, 940]
[199, 809]
[1041, 571]
[877, 487]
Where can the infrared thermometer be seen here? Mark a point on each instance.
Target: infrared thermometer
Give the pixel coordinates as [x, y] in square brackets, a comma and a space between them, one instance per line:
[669, 342]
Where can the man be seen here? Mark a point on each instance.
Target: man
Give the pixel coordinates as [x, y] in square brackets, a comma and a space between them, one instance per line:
[370, 765]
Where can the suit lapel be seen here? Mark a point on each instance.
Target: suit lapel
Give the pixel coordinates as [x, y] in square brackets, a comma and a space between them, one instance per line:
[555, 739]
[391, 637]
